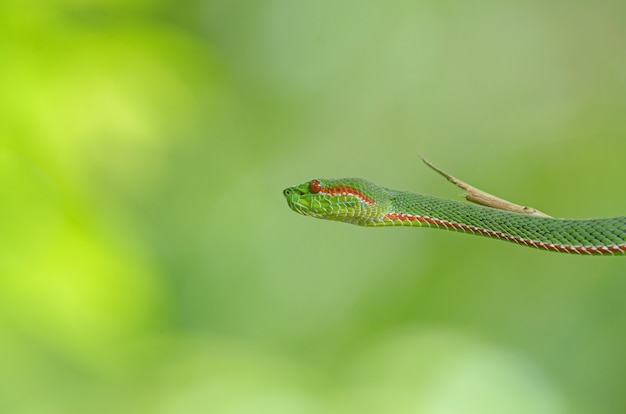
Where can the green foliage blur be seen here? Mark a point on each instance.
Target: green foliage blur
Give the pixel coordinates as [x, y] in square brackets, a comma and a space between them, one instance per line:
[149, 263]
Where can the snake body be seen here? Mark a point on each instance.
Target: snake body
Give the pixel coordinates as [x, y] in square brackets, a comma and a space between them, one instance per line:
[361, 202]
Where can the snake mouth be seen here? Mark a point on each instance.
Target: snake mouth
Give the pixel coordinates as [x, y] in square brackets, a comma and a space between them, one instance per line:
[295, 200]
[299, 207]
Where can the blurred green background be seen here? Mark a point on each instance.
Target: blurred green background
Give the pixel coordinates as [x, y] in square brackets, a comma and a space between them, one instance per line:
[149, 263]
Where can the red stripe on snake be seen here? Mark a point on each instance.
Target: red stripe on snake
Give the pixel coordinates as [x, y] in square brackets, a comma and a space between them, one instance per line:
[500, 235]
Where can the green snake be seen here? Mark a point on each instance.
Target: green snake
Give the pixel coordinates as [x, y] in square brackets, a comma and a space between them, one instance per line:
[361, 202]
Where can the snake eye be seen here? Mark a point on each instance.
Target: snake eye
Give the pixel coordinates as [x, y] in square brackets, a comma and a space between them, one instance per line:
[315, 187]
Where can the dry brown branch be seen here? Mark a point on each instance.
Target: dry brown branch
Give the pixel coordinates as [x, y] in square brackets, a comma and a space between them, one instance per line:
[478, 196]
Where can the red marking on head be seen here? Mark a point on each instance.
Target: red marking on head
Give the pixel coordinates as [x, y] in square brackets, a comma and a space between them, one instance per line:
[315, 187]
[539, 244]
[345, 190]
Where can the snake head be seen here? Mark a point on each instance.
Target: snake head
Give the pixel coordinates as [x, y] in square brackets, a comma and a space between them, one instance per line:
[352, 200]
[308, 199]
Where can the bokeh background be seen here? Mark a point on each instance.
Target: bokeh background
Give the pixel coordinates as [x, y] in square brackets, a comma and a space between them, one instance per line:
[149, 263]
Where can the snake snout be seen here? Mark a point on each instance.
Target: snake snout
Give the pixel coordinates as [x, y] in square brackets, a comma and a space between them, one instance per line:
[291, 191]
